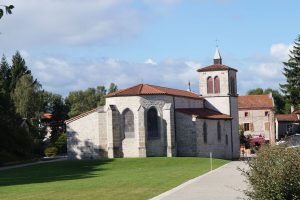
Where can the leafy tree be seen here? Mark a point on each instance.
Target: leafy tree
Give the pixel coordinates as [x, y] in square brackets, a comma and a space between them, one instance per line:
[279, 99]
[7, 10]
[112, 88]
[82, 101]
[18, 69]
[25, 96]
[291, 71]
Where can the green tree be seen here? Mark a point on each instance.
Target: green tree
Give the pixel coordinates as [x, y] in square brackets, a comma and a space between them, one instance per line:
[5, 73]
[18, 69]
[291, 71]
[85, 100]
[25, 96]
[112, 88]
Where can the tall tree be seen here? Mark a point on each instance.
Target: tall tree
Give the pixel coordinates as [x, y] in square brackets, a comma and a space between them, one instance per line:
[291, 71]
[25, 96]
[18, 69]
[5, 73]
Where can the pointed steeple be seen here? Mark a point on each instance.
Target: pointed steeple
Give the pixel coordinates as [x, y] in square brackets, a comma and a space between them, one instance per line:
[217, 57]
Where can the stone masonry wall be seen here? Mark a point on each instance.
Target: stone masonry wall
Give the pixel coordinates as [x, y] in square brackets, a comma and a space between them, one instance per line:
[83, 137]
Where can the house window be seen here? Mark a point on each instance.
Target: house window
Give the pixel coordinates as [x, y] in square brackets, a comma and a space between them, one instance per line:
[266, 113]
[219, 131]
[210, 85]
[217, 85]
[128, 123]
[246, 114]
[205, 132]
[246, 126]
[267, 126]
[152, 123]
[289, 128]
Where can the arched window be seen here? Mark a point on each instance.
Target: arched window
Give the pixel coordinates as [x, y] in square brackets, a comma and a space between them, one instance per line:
[205, 132]
[128, 123]
[210, 88]
[219, 131]
[217, 85]
[152, 123]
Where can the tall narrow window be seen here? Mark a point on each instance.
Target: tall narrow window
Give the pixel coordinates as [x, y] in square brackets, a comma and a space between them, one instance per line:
[205, 132]
[217, 85]
[128, 123]
[152, 123]
[226, 139]
[232, 86]
[219, 131]
[210, 88]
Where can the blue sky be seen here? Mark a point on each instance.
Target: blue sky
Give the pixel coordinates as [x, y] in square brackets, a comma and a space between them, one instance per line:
[71, 44]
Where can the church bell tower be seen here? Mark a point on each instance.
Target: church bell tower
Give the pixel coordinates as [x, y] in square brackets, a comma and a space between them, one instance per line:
[218, 86]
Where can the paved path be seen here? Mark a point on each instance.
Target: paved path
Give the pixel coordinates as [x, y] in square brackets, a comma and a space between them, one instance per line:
[224, 183]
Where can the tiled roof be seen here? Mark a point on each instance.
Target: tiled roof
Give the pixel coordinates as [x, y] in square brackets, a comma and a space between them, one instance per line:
[255, 102]
[287, 117]
[145, 89]
[80, 116]
[215, 67]
[204, 113]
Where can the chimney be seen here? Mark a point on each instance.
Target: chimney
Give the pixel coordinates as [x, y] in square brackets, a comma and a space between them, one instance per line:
[292, 108]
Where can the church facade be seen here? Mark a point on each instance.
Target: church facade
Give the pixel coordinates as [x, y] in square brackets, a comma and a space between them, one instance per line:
[148, 120]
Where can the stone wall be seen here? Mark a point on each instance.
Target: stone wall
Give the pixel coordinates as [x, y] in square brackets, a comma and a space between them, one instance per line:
[83, 137]
[190, 139]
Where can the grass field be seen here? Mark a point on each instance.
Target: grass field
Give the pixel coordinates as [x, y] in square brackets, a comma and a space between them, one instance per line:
[127, 178]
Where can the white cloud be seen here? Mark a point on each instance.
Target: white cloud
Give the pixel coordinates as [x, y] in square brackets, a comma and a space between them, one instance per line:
[264, 71]
[69, 22]
[150, 61]
[281, 51]
[61, 76]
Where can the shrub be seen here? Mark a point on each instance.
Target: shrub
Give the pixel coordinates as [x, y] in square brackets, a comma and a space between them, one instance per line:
[50, 151]
[61, 143]
[274, 174]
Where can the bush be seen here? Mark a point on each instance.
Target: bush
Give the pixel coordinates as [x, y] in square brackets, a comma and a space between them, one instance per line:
[61, 143]
[274, 174]
[50, 151]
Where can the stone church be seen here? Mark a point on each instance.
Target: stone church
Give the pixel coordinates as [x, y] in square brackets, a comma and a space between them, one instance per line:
[147, 120]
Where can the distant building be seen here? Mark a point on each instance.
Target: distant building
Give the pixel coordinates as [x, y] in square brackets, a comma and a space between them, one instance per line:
[287, 124]
[256, 116]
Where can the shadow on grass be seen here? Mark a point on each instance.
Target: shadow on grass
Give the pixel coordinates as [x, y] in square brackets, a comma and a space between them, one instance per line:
[56, 171]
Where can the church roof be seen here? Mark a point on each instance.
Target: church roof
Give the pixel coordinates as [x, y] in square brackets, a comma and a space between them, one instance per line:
[255, 102]
[204, 113]
[287, 117]
[145, 89]
[216, 67]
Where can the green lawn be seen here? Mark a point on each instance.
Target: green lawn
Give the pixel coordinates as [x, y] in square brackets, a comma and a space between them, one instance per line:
[123, 178]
